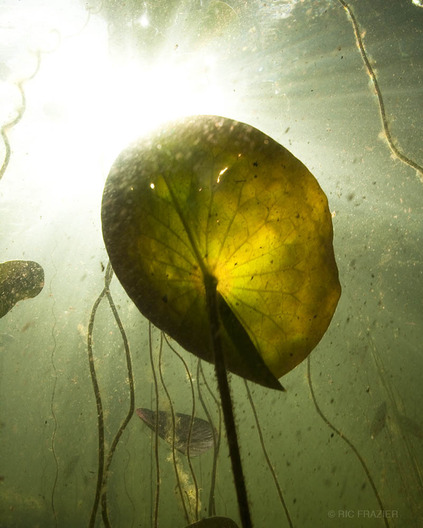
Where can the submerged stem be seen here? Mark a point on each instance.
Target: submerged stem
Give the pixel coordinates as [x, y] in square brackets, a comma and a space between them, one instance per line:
[216, 435]
[155, 520]
[172, 415]
[210, 284]
[266, 456]
[99, 404]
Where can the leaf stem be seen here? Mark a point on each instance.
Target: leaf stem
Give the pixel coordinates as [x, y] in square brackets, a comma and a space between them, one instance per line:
[210, 284]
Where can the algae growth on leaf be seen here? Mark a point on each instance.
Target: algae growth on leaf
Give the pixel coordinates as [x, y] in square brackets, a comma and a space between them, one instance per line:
[208, 196]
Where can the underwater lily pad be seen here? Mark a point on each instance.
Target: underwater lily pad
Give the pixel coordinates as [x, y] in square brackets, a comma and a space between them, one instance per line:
[207, 196]
[19, 279]
[214, 522]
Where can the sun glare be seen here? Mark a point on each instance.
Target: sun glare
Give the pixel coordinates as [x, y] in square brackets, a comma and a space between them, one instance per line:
[96, 102]
[149, 95]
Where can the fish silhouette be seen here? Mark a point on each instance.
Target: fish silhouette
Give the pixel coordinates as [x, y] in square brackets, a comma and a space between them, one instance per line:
[379, 420]
[405, 423]
[201, 431]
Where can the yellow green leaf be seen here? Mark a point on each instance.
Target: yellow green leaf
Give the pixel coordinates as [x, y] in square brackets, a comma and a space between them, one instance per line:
[208, 196]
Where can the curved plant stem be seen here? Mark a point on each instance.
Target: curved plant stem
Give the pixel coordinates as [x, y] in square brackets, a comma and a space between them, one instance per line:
[53, 395]
[191, 468]
[359, 41]
[216, 435]
[20, 111]
[172, 414]
[103, 461]
[99, 404]
[130, 413]
[266, 456]
[346, 440]
[225, 396]
[156, 436]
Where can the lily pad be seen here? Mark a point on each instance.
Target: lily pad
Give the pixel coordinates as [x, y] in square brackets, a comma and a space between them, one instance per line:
[207, 196]
[19, 279]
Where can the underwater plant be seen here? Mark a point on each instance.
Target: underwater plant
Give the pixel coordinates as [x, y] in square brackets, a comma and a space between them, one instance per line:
[265, 61]
[19, 280]
[223, 240]
[211, 208]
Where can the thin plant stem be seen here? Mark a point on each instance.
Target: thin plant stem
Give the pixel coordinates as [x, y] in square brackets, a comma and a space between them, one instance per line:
[225, 395]
[346, 440]
[131, 409]
[194, 478]
[99, 404]
[360, 44]
[172, 414]
[266, 456]
[216, 435]
[156, 438]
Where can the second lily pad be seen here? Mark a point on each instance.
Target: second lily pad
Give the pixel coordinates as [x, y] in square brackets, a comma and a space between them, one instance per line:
[209, 196]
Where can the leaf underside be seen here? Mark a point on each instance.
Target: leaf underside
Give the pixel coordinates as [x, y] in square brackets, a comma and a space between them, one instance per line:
[208, 196]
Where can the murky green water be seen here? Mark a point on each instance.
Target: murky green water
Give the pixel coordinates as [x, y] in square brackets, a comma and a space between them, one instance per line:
[79, 80]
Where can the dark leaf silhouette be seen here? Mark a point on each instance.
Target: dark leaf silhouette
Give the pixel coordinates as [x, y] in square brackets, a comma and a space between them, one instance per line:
[19, 279]
[208, 196]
